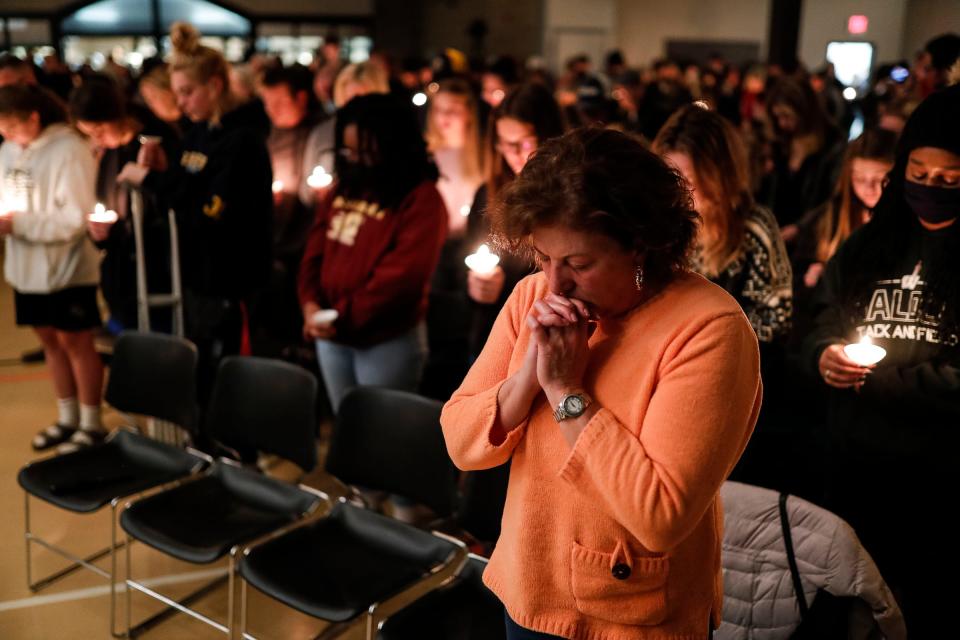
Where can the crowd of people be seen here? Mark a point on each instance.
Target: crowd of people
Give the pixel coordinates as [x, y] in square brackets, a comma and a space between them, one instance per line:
[326, 216]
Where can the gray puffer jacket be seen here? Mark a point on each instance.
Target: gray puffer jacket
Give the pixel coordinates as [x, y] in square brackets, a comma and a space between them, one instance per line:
[760, 601]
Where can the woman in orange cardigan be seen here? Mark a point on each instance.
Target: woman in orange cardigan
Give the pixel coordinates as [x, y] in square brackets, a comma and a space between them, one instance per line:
[623, 388]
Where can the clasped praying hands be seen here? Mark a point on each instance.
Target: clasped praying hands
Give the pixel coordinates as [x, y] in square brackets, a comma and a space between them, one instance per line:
[561, 328]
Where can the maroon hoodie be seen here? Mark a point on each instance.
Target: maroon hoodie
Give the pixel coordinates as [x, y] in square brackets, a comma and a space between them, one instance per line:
[374, 265]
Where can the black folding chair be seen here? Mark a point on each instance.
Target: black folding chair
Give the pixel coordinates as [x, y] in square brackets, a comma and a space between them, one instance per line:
[355, 562]
[256, 405]
[152, 375]
[463, 609]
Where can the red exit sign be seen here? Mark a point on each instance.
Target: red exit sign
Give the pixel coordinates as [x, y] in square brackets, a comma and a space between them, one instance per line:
[857, 24]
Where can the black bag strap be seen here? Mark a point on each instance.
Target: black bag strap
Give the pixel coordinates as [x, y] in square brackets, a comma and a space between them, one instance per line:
[791, 557]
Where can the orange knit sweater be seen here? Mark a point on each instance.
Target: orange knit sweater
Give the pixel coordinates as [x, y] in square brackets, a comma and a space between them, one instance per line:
[620, 536]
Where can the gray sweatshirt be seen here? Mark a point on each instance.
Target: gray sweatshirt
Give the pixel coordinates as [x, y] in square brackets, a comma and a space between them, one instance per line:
[49, 185]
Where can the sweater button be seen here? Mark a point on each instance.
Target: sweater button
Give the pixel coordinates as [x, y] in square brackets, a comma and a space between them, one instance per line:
[621, 571]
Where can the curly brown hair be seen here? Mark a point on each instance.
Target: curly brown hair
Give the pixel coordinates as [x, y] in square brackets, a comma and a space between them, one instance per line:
[602, 181]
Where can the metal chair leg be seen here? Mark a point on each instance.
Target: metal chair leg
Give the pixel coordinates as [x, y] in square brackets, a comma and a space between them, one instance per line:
[173, 606]
[332, 630]
[76, 561]
[114, 575]
[243, 610]
[28, 536]
[231, 587]
[113, 569]
[126, 588]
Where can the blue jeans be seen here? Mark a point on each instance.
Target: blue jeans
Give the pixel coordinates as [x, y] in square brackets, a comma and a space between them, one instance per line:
[396, 363]
[516, 632]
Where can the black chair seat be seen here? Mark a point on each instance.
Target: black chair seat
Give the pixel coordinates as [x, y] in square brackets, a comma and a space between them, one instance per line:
[463, 610]
[88, 479]
[200, 521]
[335, 568]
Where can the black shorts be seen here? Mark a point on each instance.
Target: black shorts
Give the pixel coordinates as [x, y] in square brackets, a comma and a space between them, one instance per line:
[72, 309]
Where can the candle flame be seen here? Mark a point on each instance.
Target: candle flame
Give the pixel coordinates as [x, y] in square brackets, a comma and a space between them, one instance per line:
[106, 216]
[277, 186]
[483, 261]
[864, 353]
[319, 178]
[99, 209]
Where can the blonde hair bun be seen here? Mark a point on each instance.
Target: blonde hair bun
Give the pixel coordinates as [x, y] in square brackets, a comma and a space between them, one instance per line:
[185, 38]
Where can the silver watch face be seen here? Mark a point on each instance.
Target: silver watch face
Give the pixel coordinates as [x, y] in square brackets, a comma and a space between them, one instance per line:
[573, 405]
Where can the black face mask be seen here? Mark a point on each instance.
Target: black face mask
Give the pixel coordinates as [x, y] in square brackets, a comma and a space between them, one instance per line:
[932, 204]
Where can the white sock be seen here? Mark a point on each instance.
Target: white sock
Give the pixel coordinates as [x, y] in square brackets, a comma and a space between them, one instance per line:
[90, 417]
[68, 412]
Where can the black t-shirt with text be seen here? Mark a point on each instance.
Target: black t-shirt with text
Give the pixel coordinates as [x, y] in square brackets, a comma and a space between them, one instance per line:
[910, 404]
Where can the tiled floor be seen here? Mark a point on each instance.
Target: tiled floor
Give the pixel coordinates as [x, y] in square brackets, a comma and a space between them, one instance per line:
[78, 607]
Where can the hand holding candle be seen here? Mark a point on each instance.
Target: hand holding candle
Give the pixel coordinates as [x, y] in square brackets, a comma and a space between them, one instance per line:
[13, 205]
[318, 323]
[6, 219]
[483, 261]
[319, 178]
[847, 366]
[865, 353]
[485, 288]
[103, 215]
[100, 221]
[324, 317]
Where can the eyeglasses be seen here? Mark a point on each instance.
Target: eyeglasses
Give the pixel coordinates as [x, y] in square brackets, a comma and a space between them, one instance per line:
[526, 146]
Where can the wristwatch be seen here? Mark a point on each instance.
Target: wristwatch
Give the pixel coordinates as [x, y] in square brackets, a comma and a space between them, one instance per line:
[572, 405]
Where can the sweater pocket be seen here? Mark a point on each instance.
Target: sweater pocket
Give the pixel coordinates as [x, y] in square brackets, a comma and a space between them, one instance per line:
[618, 587]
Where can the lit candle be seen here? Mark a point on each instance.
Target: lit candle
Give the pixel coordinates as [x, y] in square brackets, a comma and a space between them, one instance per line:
[864, 353]
[482, 261]
[102, 214]
[325, 317]
[319, 179]
[277, 186]
[15, 203]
